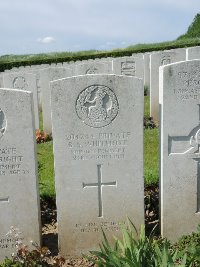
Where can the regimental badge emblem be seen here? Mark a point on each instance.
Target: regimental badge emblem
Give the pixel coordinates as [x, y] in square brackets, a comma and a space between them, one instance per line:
[20, 83]
[97, 106]
[2, 123]
[92, 70]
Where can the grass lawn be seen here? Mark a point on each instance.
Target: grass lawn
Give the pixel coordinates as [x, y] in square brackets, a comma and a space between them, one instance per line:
[46, 163]
[46, 169]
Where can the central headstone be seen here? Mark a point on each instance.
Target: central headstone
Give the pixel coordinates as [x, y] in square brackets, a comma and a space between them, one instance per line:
[98, 147]
[19, 198]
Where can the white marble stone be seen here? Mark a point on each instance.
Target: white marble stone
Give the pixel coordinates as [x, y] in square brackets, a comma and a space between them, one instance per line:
[36, 71]
[193, 52]
[1, 80]
[47, 75]
[94, 67]
[98, 148]
[180, 148]
[147, 71]
[158, 59]
[24, 81]
[130, 66]
[19, 199]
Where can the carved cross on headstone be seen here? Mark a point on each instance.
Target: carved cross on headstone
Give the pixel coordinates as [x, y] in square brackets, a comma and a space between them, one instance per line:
[99, 185]
[188, 146]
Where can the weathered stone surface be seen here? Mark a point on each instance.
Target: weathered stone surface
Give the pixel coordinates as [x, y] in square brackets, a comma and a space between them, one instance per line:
[147, 70]
[98, 148]
[47, 75]
[158, 59]
[24, 81]
[1, 80]
[193, 52]
[19, 200]
[94, 67]
[180, 143]
[130, 66]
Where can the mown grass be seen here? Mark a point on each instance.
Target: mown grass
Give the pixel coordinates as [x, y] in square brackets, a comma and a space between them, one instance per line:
[46, 161]
[151, 156]
[46, 169]
[41, 121]
[146, 106]
[151, 140]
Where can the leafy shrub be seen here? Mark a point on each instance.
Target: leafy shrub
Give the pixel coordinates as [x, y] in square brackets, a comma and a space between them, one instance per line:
[190, 244]
[139, 251]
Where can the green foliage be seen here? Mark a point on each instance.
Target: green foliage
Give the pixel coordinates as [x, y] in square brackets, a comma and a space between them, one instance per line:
[146, 106]
[40, 121]
[46, 169]
[190, 244]
[151, 156]
[138, 251]
[193, 30]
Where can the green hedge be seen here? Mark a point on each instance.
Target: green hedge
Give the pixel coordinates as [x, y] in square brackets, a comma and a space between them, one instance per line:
[9, 62]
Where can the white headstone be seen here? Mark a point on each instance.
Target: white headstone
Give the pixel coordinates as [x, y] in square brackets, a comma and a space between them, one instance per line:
[27, 82]
[19, 199]
[158, 59]
[37, 71]
[147, 70]
[1, 80]
[180, 148]
[94, 67]
[98, 148]
[47, 75]
[193, 52]
[130, 66]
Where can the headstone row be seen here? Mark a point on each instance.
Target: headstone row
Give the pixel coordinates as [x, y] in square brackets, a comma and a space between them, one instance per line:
[139, 65]
[98, 148]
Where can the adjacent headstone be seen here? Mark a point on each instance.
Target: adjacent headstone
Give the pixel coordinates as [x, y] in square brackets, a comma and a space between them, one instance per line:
[94, 67]
[47, 75]
[1, 80]
[130, 66]
[19, 200]
[36, 70]
[147, 71]
[98, 148]
[158, 59]
[23, 81]
[193, 52]
[180, 148]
